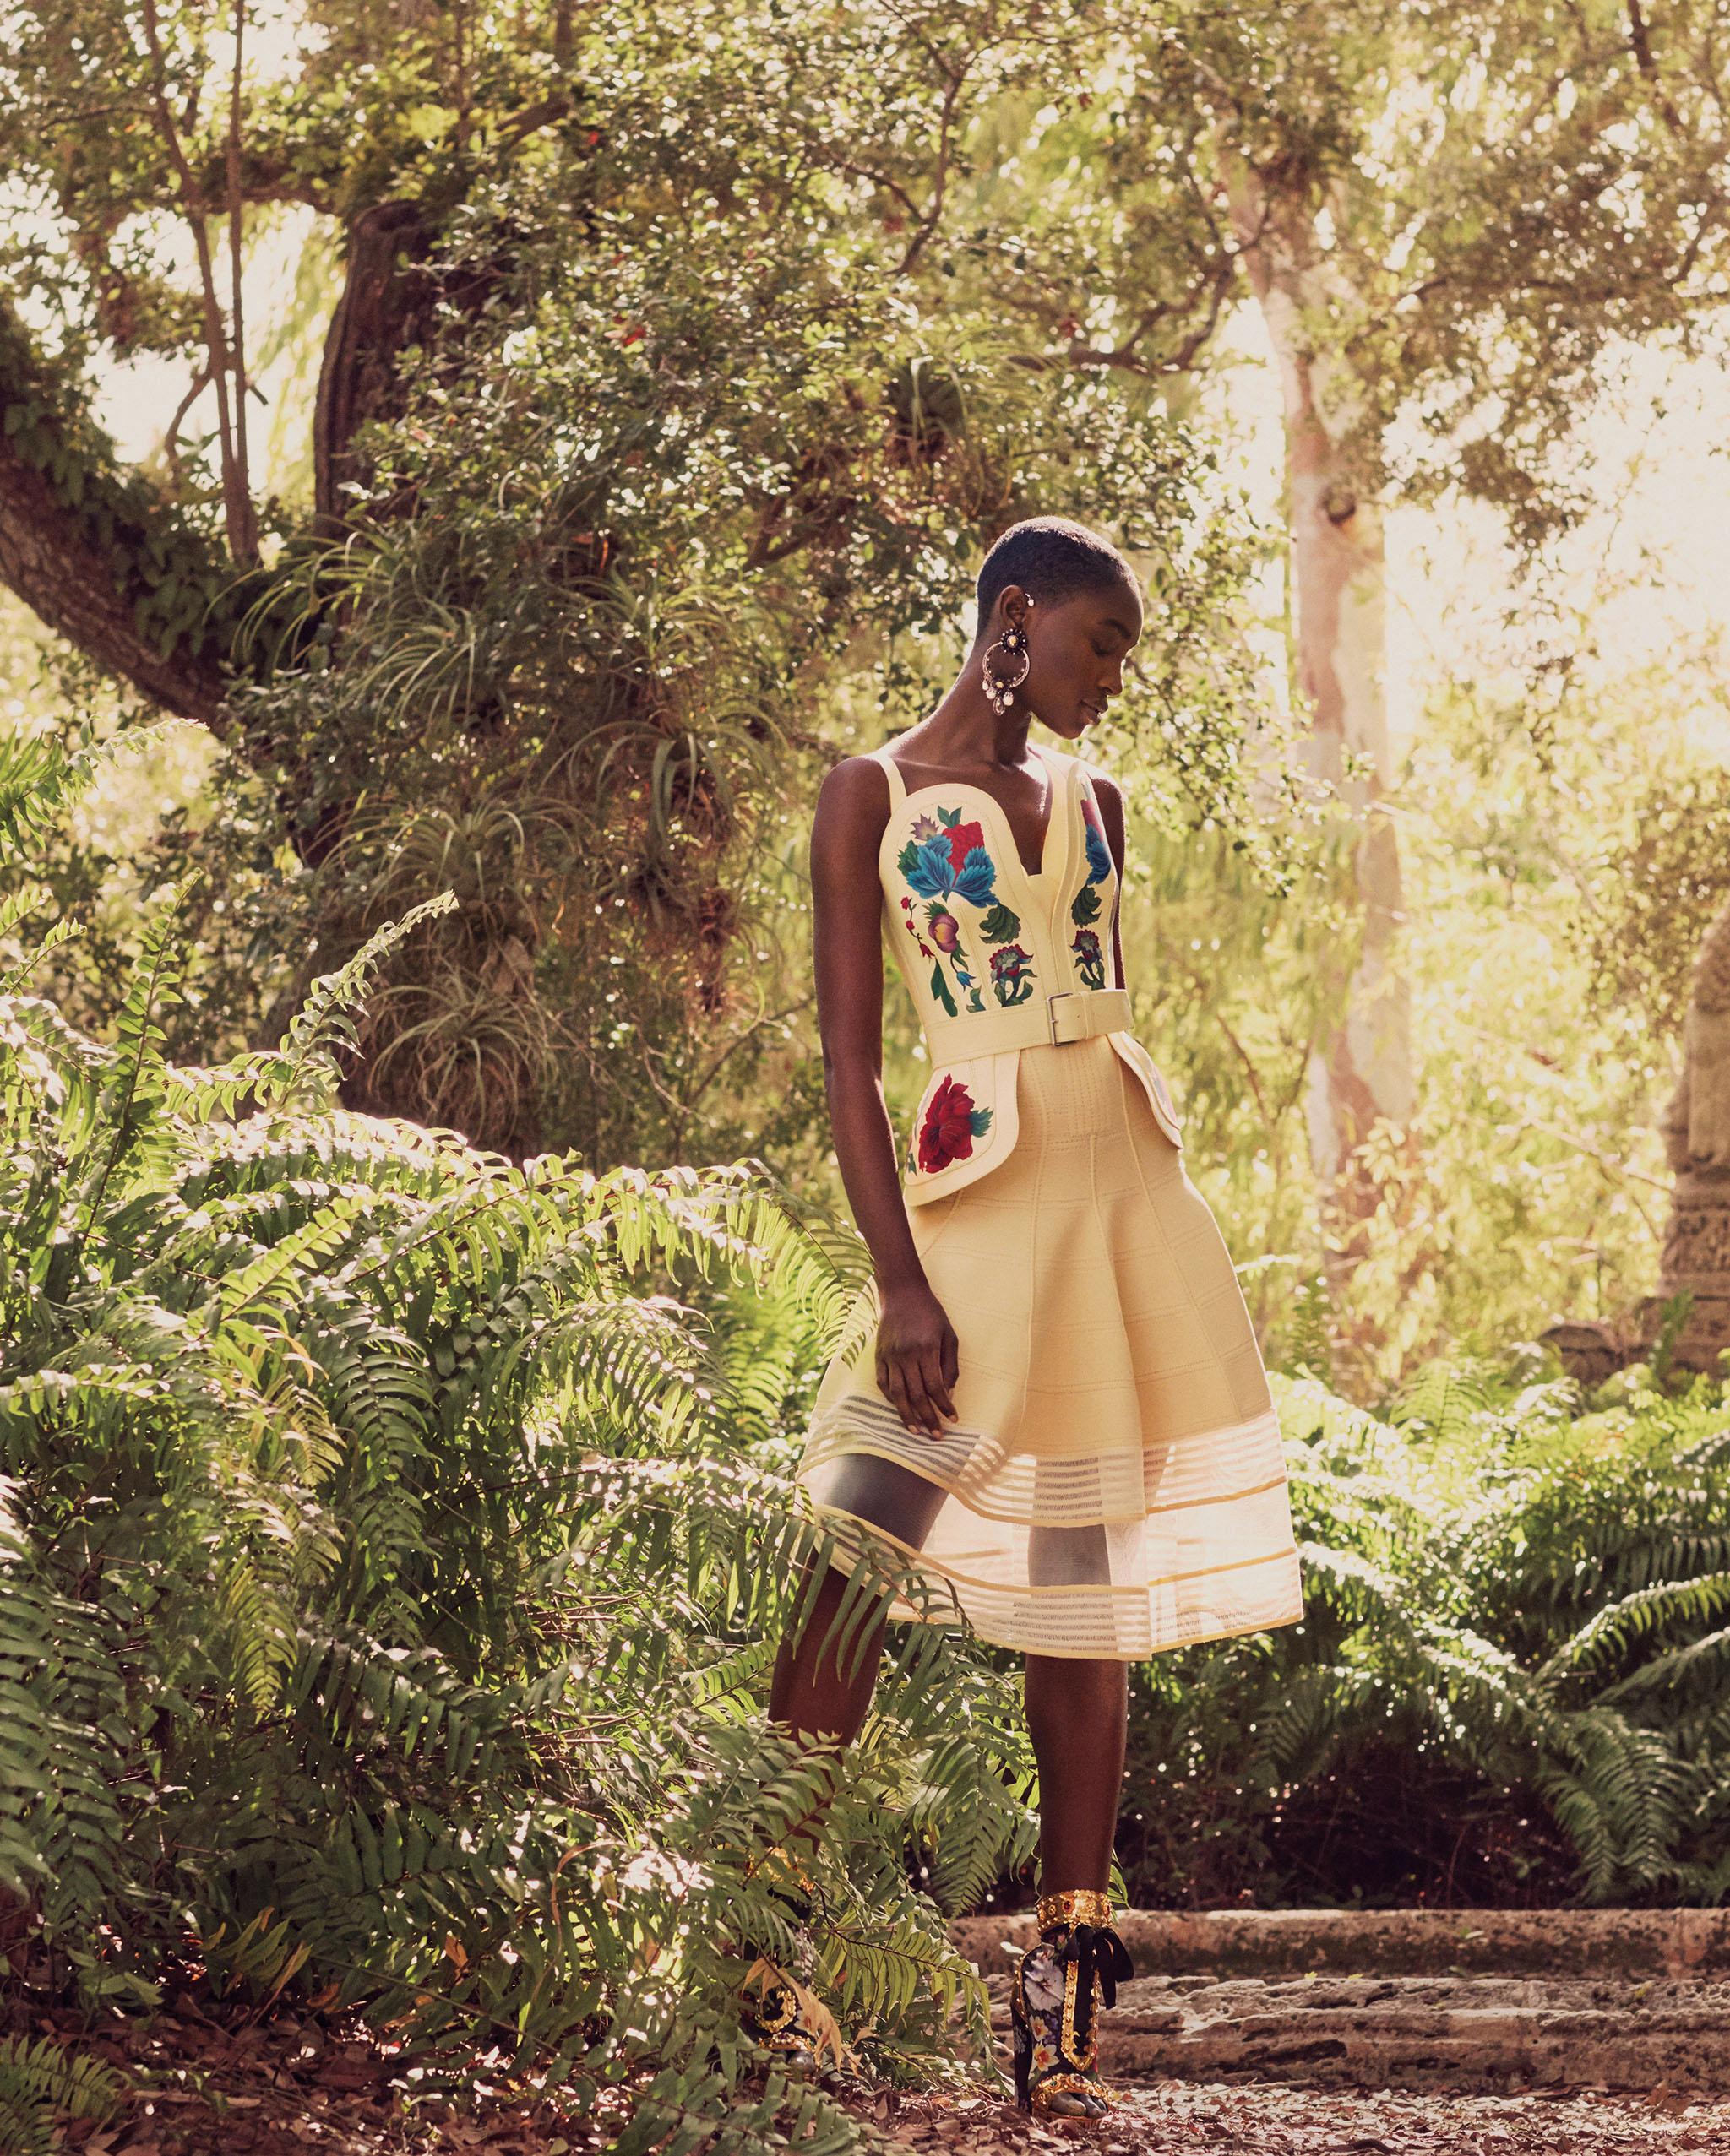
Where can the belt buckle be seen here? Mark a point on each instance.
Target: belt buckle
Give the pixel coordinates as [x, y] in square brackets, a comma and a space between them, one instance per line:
[1051, 1015]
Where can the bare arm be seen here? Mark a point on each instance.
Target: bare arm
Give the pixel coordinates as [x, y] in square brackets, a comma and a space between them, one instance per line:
[1110, 798]
[917, 1355]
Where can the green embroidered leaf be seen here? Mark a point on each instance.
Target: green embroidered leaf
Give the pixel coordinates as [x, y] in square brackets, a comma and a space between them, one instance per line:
[948, 818]
[941, 989]
[979, 1122]
[999, 925]
[1085, 907]
[907, 859]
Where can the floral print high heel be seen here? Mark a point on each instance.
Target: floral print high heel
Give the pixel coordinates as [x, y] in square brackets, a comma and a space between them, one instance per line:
[1054, 1995]
[778, 2012]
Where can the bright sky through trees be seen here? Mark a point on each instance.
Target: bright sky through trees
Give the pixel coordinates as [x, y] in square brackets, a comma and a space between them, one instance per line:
[1651, 562]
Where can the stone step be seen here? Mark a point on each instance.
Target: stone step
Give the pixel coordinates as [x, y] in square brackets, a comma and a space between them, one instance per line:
[1486, 2034]
[1614, 2000]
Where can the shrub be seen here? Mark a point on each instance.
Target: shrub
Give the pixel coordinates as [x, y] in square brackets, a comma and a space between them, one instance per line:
[384, 1582]
[1512, 1682]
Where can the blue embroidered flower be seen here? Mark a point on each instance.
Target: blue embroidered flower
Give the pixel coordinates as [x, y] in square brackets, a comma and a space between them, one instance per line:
[948, 860]
[929, 870]
[975, 878]
[1084, 907]
[926, 865]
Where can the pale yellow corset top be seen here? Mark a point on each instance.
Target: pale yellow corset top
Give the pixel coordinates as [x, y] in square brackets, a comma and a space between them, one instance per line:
[999, 962]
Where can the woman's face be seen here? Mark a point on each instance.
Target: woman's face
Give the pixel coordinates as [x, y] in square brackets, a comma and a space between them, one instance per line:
[1075, 652]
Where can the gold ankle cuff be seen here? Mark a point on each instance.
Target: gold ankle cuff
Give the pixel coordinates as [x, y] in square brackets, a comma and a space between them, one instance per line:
[1074, 1905]
[1072, 2084]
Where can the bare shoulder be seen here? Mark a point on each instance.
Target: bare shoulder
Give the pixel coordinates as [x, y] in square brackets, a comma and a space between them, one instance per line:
[856, 778]
[1110, 796]
[853, 802]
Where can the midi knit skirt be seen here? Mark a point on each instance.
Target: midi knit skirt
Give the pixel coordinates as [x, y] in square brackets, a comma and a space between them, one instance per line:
[1114, 1484]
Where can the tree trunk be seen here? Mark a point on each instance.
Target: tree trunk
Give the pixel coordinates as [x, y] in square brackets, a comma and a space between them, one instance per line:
[103, 556]
[1363, 1074]
[1696, 1254]
[385, 302]
[96, 552]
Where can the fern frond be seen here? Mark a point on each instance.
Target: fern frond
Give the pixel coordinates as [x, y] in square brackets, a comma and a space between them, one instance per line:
[303, 1068]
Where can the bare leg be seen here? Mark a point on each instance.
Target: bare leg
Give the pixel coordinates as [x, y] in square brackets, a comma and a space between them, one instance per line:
[821, 1691]
[823, 1696]
[1078, 1716]
[826, 1695]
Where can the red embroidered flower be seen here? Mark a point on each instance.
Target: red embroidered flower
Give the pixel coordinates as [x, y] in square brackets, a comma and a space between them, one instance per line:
[963, 838]
[951, 1124]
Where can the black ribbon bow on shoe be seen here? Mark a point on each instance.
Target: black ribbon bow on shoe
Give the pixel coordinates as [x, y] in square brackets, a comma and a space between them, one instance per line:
[1096, 1950]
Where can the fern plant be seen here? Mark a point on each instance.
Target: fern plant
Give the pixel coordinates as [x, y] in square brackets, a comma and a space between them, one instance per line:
[386, 1551]
[42, 2083]
[1513, 1676]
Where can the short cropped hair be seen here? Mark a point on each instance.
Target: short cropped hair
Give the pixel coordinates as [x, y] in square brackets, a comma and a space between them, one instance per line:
[1052, 559]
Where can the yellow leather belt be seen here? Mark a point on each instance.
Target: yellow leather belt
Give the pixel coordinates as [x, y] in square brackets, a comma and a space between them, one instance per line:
[1066, 1014]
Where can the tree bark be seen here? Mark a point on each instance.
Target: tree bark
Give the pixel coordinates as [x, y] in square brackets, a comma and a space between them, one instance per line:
[385, 304]
[93, 550]
[1363, 1074]
[91, 547]
[1696, 1254]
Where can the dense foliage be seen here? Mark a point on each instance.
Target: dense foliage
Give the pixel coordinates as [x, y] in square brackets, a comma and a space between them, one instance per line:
[386, 1582]
[1562, 857]
[1512, 1682]
[395, 1531]
[667, 396]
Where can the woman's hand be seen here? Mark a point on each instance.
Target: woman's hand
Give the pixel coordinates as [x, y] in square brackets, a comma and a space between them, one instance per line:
[918, 1359]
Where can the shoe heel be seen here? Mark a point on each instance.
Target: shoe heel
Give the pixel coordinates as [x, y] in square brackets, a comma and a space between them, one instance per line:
[1021, 2055]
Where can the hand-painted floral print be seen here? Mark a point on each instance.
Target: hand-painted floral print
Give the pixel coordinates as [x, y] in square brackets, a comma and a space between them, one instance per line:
[1084, 906]
[946, 860]
[1012, 974]
[1090, 959]
[951, 1124]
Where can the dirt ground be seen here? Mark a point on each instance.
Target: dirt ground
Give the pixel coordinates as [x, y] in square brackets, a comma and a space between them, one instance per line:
[287, 2088]
[1259, 2119]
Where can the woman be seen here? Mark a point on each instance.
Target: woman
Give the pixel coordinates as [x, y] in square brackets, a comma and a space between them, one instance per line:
[1064, 1412]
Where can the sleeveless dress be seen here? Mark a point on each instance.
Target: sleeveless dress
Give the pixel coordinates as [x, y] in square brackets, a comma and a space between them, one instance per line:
[1114, 1484]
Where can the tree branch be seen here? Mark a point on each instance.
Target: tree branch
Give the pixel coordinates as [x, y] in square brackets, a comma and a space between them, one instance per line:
[1640, 39]
[227, 370]
[97, 553]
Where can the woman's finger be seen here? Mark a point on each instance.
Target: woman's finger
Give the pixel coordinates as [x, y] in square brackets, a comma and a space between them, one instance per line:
[893, 1386]
[937, 1390]
[924, 1421]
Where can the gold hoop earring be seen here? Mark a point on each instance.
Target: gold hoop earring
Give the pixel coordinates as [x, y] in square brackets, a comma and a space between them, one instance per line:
[1001, 694]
